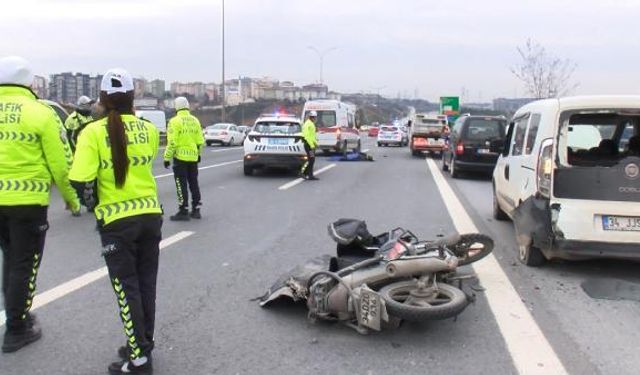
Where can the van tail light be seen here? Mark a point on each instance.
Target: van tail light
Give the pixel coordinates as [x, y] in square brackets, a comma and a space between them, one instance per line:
[459, 148]
[545, 168]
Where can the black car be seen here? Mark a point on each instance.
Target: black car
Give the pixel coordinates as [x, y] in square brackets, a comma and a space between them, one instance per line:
[474, 144]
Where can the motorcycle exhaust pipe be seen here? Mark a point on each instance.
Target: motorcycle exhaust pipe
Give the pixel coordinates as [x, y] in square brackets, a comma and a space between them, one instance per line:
[417, 266]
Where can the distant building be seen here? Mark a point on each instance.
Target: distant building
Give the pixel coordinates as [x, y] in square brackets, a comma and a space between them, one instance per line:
[39, 86]
[195, 89]
[315, 91]
[156, 88]
[510, 105]
[140, 87]
[68, 87]
[478, 105]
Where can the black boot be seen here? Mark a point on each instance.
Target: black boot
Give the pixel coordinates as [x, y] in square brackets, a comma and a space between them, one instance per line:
[182, 215]
[116, 368]
[14, 340]
[195, 213]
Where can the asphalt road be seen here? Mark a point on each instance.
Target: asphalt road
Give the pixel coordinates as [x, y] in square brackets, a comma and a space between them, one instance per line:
[255, 228]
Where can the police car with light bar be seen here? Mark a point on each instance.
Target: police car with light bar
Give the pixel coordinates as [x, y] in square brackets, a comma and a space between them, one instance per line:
[275, 141]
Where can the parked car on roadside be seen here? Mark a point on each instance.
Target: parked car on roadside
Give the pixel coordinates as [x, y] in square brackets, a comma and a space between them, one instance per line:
[569, 178]
[469, 147]
[392, 135]
[223, 134]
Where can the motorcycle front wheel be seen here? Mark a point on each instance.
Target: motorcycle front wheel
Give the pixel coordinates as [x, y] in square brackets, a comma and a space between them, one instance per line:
[407, 300]
[472, 247]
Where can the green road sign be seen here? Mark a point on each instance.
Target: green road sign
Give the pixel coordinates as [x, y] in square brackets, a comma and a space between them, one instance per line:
[450, 106]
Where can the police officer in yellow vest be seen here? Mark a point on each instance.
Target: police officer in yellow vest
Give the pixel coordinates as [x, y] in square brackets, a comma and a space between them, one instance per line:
[310, 144]
[113, 170]
[33, 153]
[78, 120]
[184, 144]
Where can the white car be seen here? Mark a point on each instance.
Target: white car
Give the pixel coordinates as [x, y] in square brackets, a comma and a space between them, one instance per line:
[223, 134]
[392, 135]
[569, 178]
[275, 141]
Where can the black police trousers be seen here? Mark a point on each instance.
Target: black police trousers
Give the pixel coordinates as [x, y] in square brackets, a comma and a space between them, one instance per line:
[186, 175]
[131, 247]
[307, 167]
[22, 234]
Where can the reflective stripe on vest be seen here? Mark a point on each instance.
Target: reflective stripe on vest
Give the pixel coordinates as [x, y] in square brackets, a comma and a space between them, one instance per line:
[25, 185]
[117, 208]
[19, 136]
[134, 161]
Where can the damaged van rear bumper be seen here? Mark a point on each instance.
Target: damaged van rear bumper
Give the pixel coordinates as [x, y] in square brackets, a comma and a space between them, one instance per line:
[575, 250]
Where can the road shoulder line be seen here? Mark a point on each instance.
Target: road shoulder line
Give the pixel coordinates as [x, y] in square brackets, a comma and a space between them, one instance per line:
[529, 349]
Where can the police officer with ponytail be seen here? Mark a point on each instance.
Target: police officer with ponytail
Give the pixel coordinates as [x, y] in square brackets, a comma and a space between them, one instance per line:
[112, 171]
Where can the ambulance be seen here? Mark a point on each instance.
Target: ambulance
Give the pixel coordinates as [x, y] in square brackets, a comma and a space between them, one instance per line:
[336, 126]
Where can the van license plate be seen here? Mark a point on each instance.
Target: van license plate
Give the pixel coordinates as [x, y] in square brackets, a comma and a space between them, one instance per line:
[483, 151]
[621, 223]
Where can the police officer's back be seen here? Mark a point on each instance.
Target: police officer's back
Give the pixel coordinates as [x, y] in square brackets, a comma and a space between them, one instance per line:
[33, 153]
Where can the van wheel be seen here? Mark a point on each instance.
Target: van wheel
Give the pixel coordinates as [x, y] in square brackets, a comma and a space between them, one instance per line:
[358, 147]
[530, 255]
[452, 167]
[498, 213]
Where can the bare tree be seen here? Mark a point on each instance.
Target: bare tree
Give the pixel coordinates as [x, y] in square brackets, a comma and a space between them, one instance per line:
[543, 75]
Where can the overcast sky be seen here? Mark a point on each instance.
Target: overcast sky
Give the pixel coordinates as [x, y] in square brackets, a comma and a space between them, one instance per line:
[430, 47]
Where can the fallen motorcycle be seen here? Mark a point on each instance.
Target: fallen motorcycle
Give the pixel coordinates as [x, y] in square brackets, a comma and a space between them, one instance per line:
[384, 279]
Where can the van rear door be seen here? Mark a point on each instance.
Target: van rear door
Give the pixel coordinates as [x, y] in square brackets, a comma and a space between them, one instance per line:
[598, 157]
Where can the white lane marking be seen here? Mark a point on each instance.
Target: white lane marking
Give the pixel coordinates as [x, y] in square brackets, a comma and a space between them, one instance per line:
[228, 149]
[79, 282]
[203, 168]
[529, 349]
[295, 182]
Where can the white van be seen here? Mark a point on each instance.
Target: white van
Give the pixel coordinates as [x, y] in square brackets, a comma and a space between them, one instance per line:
[154, 116]
[569, 178]
[336, 126]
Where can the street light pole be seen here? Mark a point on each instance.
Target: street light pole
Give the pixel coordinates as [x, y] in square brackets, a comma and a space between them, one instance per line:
[321, 55]
[223, 88]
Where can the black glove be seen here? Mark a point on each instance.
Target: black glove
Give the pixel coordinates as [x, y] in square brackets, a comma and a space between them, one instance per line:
[199, 158]
[167, 164]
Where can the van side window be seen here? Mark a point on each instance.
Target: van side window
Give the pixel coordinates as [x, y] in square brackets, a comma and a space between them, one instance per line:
[533, 133]
[517, 145]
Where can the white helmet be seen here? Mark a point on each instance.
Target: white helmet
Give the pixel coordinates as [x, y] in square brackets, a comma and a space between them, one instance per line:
[84, 101]
[15, 70]
[181, 103]
[313, 114]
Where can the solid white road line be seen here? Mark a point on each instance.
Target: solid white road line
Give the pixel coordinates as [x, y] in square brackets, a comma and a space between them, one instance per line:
[203, 168]
[79, 282]
[527, 345]
[295, 182]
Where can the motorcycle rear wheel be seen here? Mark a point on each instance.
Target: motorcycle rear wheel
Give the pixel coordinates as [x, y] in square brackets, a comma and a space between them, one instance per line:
[472, 247]
[403, 300]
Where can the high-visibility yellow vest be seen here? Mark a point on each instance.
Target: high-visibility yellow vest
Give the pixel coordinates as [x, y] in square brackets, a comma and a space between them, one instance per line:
[34, 151]
[184, 137]
[93, 161]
